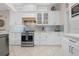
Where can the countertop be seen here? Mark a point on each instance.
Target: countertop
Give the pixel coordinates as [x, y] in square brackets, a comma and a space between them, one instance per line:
[4, 33]
[72, 35]
[47, 32]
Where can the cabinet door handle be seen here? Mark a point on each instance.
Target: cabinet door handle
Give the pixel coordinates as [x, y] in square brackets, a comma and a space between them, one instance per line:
[72, 41]
[71, 49]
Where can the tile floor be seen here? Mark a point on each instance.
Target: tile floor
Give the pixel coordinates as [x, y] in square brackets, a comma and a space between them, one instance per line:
[36, 51]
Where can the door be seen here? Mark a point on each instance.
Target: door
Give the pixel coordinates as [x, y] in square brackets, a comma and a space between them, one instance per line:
[45, 18]
[39, 18]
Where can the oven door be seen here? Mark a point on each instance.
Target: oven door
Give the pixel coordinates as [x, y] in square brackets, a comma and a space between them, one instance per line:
[30, 38]
[27, 37]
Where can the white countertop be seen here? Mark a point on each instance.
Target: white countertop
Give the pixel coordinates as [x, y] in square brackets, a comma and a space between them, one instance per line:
[72, 35]
[47, 32]
[4, 33]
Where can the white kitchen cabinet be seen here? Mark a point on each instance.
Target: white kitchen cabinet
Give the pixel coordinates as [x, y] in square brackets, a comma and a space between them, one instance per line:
[42, 8]
[39, 18]
[73, 47]
[36, 38]
[65, 45]
[70, 46]
[39, 38]
[47, 38]
[15, 38]
[45, 18]
[42, 18]
[54, 18]
[48, 18]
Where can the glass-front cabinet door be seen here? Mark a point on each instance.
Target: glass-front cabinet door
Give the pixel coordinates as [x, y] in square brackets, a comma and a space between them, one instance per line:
[45, 18]
[39, 18]
[42, 18]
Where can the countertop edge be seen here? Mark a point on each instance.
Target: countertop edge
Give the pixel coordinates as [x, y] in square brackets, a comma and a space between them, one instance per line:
[71, 35]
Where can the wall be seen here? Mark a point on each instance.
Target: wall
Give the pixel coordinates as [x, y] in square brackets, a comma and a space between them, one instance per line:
[6, 20]
[62, 13]
[16, 26]
[74, 22]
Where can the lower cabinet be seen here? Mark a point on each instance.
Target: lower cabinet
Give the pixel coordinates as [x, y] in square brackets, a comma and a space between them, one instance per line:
[15, 38]
[73, 49]
[47, 38]
[70, 46]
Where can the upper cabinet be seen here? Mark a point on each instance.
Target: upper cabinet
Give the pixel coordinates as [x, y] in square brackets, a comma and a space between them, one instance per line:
[39, 18]
[41, 8]
[42, 18]
[54, 18]
[44, 14]
[48, 18]
[45, 17]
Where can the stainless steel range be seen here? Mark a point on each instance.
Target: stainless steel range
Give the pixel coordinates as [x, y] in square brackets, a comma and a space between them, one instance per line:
[27, 39]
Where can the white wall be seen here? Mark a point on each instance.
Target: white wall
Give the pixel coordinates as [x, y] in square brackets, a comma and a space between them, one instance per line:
[16, 26]
[74, 22]
[15, 22]
[62, 11]
[6, 20]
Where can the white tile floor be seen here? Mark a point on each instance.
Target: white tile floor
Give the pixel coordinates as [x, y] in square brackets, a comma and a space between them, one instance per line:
[36, 51]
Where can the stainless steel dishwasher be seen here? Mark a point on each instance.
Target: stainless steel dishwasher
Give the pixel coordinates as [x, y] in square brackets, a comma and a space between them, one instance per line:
[4, 45]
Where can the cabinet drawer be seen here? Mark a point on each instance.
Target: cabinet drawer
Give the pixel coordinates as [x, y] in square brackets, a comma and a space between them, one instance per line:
[73, 41]
[74, 49]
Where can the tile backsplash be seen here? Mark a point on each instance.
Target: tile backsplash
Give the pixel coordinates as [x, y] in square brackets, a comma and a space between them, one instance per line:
[54, 28]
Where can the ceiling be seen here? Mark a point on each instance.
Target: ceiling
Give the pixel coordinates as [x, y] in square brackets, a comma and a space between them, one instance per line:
[3, 6]
[20, 6]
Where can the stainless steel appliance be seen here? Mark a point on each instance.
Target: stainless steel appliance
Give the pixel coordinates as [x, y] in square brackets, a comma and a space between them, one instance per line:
[75, 10]
[27, 38]
[4, 45]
